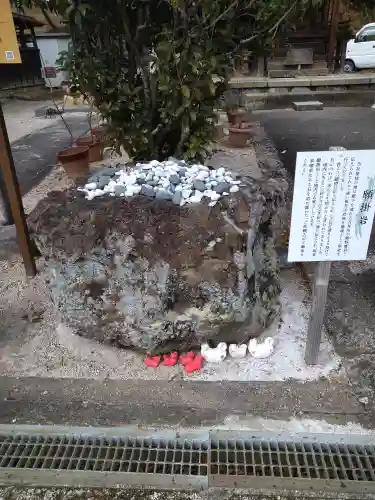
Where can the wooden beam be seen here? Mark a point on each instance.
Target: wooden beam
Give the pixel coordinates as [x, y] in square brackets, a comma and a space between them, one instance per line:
[14, 196]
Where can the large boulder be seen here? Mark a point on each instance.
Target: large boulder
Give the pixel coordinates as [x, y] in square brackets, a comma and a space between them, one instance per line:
[149, 275]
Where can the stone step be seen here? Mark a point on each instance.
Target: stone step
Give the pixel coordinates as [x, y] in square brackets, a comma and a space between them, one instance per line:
[290, 73]
[307, 105]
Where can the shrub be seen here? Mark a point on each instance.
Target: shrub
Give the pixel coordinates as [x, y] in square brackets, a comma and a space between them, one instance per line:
[156, 68]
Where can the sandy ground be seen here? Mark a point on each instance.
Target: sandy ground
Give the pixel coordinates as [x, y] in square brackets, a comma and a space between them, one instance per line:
[34, 343]
[56, 180]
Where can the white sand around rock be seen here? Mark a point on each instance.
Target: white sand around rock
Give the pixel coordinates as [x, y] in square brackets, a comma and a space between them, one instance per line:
[34, 343]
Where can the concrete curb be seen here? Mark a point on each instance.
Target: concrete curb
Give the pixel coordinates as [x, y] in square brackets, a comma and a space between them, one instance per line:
[282, 100]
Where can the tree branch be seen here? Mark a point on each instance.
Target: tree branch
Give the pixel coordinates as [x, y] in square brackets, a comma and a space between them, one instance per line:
[48, 18]
[270, 30]
[282, 18]
[223, 14]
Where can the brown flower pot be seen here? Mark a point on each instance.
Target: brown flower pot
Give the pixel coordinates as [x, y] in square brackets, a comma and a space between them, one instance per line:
[75, 161]
[95, 147]
[98, 134]
[237, 116]
[239, 136]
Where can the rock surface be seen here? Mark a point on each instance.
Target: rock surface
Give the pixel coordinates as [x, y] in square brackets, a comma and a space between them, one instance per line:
[153, 276]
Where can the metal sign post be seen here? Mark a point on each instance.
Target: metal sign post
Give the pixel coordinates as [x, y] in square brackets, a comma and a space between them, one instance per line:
[14, 197]
[332, 216]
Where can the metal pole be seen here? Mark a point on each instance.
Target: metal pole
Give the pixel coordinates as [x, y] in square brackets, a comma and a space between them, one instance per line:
[14, 196]
[319, 299]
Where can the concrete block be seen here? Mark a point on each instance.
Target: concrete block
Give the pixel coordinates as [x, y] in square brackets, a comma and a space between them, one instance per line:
[278, 90]
[300, 90]
[358, 79]
[245, 82]
[307, 105]
[358, 86]
[331, 88]
[280, 82]
[329, 80]
[300, 82]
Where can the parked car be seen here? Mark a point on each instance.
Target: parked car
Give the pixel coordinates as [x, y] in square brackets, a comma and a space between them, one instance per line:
[360, 51]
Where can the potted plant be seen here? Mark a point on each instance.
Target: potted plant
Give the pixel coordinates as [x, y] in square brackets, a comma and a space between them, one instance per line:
[75, 161]
[93, 141]
[235, 113]
[95, 147]
[239, 134]
[237, 116]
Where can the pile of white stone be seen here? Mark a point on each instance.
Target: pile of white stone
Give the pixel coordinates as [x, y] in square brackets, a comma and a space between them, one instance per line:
[172, 179]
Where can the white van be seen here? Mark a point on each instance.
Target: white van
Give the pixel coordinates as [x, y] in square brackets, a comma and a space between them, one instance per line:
[360, 51]
[50, 45]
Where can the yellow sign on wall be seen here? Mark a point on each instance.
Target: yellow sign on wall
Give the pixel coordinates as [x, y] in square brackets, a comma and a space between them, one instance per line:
[9, 51]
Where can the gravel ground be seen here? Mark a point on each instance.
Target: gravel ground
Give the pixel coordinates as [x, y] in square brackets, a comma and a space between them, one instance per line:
[122, 493]
[20, 118]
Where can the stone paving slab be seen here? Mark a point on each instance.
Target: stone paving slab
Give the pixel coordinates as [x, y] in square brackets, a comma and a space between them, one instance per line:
[307, 105]
[35, 400]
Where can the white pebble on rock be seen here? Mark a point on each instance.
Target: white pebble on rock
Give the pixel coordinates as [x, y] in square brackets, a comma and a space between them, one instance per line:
[171, 180]
[186, 193]
[215, 196]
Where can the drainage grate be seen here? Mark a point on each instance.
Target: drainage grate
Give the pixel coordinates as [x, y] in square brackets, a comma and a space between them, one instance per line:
[302, 462]
[149, 456]
[57, 456]
[293, 460]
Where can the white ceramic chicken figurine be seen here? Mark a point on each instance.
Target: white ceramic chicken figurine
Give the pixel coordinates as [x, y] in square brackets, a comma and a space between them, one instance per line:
[263, 349]
[214, 354]
[237, 351]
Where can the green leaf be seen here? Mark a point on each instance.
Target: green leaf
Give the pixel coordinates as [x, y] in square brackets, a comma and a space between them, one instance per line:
[193, 116]
[164, 47]
[185, 91]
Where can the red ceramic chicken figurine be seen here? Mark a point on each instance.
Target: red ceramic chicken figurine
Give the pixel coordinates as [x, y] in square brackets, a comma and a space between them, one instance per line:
[153, 361]
[187, 358]
[195, 365]
[170, 359]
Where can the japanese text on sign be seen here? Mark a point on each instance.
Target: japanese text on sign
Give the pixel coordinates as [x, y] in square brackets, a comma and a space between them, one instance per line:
[333, 206]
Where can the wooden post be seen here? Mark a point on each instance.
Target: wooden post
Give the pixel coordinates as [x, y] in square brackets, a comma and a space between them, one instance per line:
[332, 42]
[319, 299]
[15, 200]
